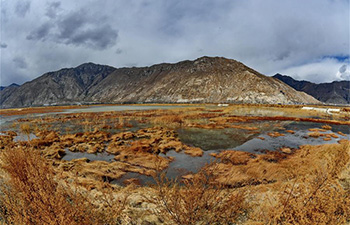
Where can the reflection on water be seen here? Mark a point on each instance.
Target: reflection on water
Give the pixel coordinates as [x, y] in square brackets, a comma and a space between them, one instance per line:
[143, 179]
[123, 108]
[214, 139]
[300, 137]
[255, 111]
[24, 137]
[182, 165]
[289, 140]
[100, 156]
[238, 111]
[225, 139]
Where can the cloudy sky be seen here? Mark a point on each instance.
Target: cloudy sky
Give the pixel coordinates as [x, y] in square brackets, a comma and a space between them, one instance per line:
[304, 39]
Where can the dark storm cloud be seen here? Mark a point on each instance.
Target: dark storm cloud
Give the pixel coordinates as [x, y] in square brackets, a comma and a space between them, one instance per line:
[52, 9]
[72, 24]
[99, 37]
[22, 8]
[40, 33]
[20, 62]
[77, 28]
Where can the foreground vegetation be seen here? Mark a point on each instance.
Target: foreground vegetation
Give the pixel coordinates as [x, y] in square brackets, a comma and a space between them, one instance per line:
[33, 192]
[309, 185]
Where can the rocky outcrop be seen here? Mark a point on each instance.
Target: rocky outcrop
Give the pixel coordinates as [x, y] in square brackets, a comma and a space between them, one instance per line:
[204, 80]
[337, 92]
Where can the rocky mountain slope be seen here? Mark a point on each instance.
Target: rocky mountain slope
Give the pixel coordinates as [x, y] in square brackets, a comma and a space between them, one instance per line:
[337, 92]
[60, 87]
[6, 92]
[13, 85]
[207, 79]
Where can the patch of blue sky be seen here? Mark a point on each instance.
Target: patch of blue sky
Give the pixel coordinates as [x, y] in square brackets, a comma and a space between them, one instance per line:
[339, 58]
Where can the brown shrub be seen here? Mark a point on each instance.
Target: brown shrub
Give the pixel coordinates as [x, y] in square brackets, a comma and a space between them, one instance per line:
[30, 193]
[319, 201]
[197, 201]
[326, 127]
[235, 157]
[169, 120]
[275, 134]
[26, 129]
[314, 134]
[341, 133]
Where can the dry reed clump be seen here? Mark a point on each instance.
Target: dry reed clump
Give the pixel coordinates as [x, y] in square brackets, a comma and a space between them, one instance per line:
[169, 120]
[317, 130]
[315, 134]
[315, 194]
[320, 197]
[122, 123]
[31, 194]
[341, 133]
[333, 135]
[32, 110]
[197, 201]
[326, 127]
[278, 166]
[26, 129]
[234, 157]
[6, 141]
[317, 201]
[275, 134]
[283, 118]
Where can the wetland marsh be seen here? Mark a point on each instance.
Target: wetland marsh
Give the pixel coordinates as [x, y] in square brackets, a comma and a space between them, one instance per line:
[242, 146]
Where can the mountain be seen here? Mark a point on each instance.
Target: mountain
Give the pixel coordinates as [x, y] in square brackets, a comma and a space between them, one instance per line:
[13, 85]
[337, 92]
[204, 80]
[60, 87]
[5, 92]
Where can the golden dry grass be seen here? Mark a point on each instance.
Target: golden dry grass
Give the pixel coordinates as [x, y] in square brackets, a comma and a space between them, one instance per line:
[31, 110]
[31, 193]
[32, 196]
[197, 201]
[309, 186]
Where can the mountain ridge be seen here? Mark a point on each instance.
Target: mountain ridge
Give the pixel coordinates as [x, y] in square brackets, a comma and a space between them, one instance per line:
[336, 92]
[204, 80]
[11, 85]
